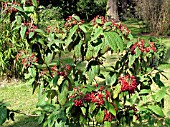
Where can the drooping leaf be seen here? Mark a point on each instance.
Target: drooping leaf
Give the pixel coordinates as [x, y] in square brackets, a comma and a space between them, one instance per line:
[71, 33]
[29, 9]
[109, 39]
[23, 31]
[116, 91]
[100, 116]
[110, 108]
[98, 31]
[119, 41]
[160, 94]
[19, 8]
[156, 109]
[55, 80]
[92, 107]
[35, 3]
[110, 80]
[107, 124]
[131, 60]
[31, 34]
[3, 115]
[145, 91]
[138, 52]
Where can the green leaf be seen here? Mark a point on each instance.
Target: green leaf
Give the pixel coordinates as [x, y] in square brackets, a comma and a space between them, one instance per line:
[83, 109]
[31, 34]
[82, 27]
[35, 3]
[107, 124]
[92, 107]
[98, 31]
[48, 58]
[109, 39]
[110, 108]
[32, 72]
[39, 31]
[63, 92]
[41, 118]
[22, 32]
[55, 80]
[138, 52]
[19, 8]
[116, 91]
[71, 33]
[108, 23]
[110, 80]
[119, 41]
[131, 60]
[156, 109]
[160, 94]
[29, 9]
[77, 18]
[145, 91]
[3, 115]
[100, 116]
[96, 69]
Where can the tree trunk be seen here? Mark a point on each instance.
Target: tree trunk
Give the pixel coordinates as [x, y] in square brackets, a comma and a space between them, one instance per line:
[124, 8]
[112, 10]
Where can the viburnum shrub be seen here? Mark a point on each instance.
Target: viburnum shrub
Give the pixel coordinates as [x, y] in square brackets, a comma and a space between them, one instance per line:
[77, 86]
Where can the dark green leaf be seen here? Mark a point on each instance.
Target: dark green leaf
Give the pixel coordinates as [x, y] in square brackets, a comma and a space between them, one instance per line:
[71, 33]
[3, 115]
[55, 80]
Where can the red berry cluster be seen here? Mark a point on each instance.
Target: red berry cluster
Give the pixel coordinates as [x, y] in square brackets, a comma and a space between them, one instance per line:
[9, 7]
[31, 27]
[71, 21]
[26, 59]
[103, 20]
[128, 83]
[96, 97]
[65, 70]
[53, 29]
[142, 46]
[108, 116]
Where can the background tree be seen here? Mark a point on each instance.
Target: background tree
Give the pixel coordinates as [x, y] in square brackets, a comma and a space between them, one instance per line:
[155, 13]
[112, 10]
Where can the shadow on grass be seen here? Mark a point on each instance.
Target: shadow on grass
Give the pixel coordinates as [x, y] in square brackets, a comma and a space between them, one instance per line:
[23, 121]
[167, 56]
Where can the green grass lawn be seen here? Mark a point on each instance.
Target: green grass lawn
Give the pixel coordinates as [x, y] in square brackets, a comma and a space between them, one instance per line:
[19, 95]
